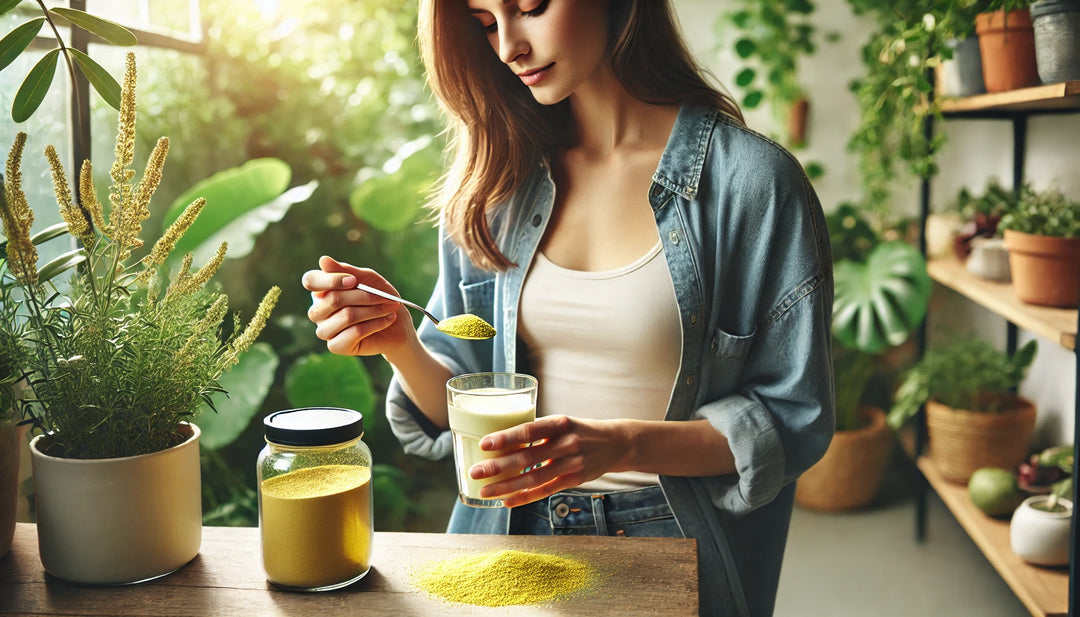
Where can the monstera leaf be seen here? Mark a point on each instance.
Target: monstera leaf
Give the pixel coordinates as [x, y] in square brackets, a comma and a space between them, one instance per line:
[878, 302]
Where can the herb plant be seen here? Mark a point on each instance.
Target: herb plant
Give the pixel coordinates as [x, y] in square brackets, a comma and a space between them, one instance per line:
[1044, 213]
[117, 363]
[961, 375]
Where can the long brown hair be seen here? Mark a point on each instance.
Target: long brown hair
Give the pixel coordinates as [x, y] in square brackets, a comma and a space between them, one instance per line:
[499, 133]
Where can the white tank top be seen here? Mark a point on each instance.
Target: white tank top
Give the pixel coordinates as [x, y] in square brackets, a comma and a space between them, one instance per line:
[603, 345]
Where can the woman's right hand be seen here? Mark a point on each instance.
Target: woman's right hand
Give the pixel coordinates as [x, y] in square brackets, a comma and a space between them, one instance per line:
[354, 322]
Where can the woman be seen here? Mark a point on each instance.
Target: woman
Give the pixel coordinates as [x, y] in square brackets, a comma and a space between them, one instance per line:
[663, 271]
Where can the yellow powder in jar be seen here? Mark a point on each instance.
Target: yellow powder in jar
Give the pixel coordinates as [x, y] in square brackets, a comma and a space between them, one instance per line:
[504, 578]
[316, 526]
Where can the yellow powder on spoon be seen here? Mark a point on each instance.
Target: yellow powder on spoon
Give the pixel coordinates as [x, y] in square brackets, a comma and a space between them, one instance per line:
[504, 578]
[467, 326]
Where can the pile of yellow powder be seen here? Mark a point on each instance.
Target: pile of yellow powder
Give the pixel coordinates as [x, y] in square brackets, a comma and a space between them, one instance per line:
[504, 578]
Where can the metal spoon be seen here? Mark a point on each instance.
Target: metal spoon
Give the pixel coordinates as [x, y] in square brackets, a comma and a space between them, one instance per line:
[467, 326]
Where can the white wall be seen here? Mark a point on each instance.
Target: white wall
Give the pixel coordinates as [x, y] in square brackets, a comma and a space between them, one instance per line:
[976, 151]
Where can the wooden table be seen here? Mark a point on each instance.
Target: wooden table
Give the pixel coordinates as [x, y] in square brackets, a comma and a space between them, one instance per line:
[644, 576]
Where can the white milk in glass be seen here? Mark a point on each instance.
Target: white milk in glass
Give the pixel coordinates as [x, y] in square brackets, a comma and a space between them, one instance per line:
[479, 413]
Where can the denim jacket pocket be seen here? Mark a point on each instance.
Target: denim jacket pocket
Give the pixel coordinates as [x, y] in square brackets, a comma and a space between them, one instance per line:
[728, 354]
[478, 297]
[730, 346]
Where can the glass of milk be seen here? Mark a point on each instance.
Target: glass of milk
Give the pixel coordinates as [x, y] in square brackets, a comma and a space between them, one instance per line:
[479, 404]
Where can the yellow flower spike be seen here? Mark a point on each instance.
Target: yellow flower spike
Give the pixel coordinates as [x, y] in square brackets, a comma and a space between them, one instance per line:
[77, 224]
[18, 218]
[90, 200]
[262, 315]
[214, 315]
[167, 242]
[206, 272]
[140, 210]
[125, 139]
[180, 280]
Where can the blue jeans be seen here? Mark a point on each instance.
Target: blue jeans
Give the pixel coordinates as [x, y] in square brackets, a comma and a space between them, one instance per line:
[640, 512]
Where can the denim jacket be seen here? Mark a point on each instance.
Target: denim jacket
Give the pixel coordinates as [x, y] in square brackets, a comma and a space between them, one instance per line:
[748, 250]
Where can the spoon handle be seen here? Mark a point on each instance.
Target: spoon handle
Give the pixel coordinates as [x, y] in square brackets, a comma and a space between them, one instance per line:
[390, 296]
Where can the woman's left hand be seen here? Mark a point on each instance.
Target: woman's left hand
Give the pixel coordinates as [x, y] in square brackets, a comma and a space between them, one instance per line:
[571, 450]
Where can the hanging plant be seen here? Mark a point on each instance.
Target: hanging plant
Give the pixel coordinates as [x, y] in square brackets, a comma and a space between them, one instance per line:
[769, 37]
[895, 94]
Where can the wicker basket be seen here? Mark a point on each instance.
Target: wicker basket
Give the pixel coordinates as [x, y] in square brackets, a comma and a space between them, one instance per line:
[962, 441]
[850, 473]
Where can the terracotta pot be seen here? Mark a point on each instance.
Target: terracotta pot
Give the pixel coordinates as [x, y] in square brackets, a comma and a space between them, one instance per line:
[1007, 47]
[850, 473]
[118, 520]
[797, 116]
[1045, 269]
[962, 440]
[11, 435]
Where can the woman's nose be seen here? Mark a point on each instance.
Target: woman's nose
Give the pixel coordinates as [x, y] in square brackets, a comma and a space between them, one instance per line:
[512, 43]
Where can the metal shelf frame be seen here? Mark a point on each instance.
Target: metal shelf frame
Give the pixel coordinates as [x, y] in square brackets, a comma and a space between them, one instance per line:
[1015, 107]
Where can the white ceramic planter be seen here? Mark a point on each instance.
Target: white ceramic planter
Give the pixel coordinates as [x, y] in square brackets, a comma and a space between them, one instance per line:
[1039, 537]
[119, 520]
[989, 259]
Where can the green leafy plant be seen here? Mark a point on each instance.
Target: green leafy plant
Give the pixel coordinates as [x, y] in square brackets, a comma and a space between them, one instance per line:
[981, 214]
[771, 35]
[880, 301]
[38, 81]
[963, 375]
[12, 325]
[130, 352]
[881, 295]
[895, 92]
[1044, 213]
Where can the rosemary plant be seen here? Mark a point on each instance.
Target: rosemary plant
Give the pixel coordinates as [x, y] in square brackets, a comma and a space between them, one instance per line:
[127, 354]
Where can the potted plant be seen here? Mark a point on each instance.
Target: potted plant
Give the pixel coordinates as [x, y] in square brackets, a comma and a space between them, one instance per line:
[881, 294]
[117, 364]
[979, 244]
[895, 92]
[771, 36]
[1039, 530]
[1007, 45]
[1057, 39]
[973, 418]
[1042, 235]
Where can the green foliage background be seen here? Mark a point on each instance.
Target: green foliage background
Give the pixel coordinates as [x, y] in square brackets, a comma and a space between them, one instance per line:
[334, 89]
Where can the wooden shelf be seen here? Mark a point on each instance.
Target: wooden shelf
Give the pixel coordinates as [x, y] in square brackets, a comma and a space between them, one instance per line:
[1060, 96]
[1058, 325]
[1044, 591]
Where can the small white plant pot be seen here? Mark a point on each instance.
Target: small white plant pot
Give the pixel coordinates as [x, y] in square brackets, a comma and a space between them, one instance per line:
[989, 259]
[118, 520]
[1039, 537]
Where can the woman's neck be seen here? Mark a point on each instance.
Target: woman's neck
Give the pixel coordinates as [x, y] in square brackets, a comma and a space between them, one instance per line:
[608, 119]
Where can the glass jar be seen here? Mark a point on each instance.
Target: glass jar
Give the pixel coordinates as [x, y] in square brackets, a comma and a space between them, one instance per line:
[315, 499]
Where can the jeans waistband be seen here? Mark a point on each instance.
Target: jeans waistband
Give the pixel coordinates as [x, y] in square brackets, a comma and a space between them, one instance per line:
[643, 511]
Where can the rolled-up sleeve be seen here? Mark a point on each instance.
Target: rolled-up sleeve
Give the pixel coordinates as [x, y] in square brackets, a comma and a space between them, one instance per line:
[782, 420]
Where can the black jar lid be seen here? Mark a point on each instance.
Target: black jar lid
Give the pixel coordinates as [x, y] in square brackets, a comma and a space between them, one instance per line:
[313, 426]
